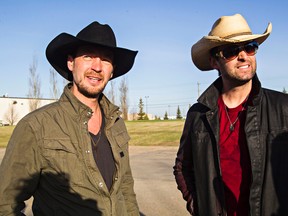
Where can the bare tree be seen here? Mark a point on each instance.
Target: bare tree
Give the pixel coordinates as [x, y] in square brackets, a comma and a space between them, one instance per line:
[123, 88]
[34, 86]
[134, 113]
[64, 82]
[11, 116]
[111, 93]
[54, 84]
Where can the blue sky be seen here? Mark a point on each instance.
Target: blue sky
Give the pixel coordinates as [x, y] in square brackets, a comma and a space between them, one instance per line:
[162, 31]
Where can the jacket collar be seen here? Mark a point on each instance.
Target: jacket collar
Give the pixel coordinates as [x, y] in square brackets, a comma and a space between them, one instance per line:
[210, 96]
[77, 109]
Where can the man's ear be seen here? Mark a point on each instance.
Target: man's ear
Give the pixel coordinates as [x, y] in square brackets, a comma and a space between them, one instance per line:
[114, 66]
[70, 62]
[214, 63]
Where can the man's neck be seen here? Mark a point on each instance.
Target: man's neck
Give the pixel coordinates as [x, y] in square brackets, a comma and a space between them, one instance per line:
[233, 96]
[90, 102]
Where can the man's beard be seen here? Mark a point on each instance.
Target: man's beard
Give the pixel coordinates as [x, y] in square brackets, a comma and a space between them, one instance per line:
[238, 81]
[89, 94]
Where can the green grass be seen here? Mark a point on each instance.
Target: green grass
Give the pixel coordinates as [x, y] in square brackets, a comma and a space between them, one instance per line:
[159, 133]
[5, 133]
[142, 133]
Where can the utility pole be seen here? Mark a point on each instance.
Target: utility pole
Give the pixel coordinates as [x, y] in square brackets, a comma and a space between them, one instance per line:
[146, 97]
[198, 84]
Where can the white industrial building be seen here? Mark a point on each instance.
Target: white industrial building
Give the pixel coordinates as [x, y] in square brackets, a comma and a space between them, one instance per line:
[12, 109]
[15, 108]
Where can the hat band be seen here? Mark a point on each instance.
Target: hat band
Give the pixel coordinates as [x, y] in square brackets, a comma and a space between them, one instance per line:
[238, 34]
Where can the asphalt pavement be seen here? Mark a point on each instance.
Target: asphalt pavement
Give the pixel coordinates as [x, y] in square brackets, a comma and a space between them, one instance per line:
[155, 187]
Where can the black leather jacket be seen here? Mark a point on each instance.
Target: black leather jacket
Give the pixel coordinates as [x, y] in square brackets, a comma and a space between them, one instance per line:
[197, 170]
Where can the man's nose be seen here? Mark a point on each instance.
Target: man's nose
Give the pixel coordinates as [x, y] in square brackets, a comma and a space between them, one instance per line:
[96, 64]
[242, 54]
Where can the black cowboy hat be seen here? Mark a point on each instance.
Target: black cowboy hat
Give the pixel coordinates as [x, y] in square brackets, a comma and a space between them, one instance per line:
[94, 34]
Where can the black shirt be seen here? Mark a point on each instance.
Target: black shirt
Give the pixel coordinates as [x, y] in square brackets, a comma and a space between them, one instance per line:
[103, 155]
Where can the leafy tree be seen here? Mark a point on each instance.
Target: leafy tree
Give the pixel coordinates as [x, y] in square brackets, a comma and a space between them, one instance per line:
[146, 117]
[157, 117]
[166, 116]
[178, 116]
[141, 114]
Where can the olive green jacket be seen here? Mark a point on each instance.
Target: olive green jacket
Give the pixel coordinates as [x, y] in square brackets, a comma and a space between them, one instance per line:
[49, 157]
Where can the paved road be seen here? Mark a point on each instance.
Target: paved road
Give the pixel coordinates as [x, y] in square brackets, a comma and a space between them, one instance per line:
[2, 151]
[155, 187]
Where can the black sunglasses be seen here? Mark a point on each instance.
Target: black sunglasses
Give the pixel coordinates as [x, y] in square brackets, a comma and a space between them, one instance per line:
[231, 52]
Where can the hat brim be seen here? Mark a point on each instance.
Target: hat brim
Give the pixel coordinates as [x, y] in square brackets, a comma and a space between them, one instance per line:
[200, 51]
[64, 44]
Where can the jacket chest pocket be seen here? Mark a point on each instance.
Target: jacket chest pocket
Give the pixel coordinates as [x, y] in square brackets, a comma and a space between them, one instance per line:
[63, 161]
[119, 135]
[119, 142]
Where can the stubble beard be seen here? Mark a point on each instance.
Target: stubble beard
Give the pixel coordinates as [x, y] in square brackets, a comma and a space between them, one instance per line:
[240, 80]
[94, 93]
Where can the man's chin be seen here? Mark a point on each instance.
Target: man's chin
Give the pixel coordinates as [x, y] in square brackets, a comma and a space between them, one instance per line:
[90, 94]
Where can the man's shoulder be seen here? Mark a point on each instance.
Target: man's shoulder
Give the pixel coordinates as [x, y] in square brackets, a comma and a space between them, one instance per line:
[276, 95]
[45, 109]
[42, 112]
[276, 101]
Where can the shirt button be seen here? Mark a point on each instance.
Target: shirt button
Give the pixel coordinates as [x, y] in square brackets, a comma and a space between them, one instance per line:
[101, 184]
[85, 122]
[116, 178]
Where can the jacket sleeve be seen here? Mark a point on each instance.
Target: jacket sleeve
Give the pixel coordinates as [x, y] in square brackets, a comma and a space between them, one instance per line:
[19, 172]
[183, 168]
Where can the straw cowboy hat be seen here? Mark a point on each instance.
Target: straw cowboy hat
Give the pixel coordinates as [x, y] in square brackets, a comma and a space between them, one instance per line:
[94, 34]
[226, 30]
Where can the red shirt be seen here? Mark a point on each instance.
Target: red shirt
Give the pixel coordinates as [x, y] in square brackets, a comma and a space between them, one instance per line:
[234, 160]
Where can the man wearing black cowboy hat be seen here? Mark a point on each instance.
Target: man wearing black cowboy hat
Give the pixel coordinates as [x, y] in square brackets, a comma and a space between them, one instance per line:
[72, 155]
[232, 158]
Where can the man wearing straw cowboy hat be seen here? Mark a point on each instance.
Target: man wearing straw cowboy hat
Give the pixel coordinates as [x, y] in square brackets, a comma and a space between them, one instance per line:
[233, 153]
[72, 155]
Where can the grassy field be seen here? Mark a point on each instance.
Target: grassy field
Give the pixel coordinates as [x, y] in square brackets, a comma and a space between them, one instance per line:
[160, 133]
[5, 133]
[142, 133]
